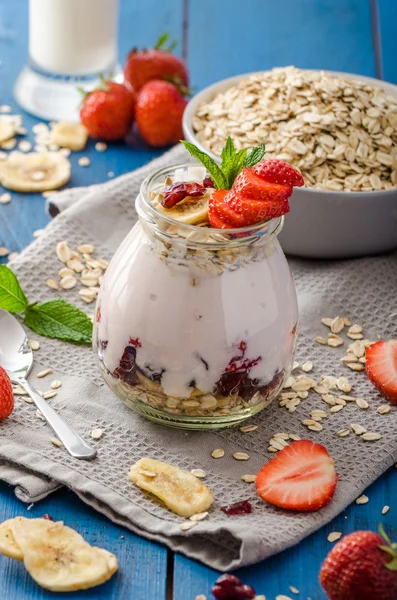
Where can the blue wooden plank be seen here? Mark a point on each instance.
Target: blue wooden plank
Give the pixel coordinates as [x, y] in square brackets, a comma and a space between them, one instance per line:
[229, 37]
[142, 564]
[300, 565]
[138, 28]
[387, 20]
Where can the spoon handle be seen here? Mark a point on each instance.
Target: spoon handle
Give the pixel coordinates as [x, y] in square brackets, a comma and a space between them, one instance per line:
[73, 443]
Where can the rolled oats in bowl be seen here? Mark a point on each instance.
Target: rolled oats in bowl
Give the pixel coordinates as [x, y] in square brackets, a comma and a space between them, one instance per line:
[339, 131]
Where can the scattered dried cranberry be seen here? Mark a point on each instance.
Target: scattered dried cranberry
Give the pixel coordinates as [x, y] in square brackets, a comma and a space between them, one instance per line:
[48, 517]
[240, 508]
[179, 191]
[208, 183]
[229, 587]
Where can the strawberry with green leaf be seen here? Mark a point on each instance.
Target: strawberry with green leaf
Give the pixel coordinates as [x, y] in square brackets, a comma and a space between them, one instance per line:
[248, 189]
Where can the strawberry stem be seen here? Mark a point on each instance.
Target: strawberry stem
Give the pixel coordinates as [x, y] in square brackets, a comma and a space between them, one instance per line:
[162, 40]
[389, 549]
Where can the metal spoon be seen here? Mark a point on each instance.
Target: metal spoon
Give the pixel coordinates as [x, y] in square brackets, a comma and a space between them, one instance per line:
[16, 357]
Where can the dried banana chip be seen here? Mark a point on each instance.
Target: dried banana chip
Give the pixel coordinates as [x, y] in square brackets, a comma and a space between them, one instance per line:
[34, 172]
[7, 131]
[69, 135]
[8, 545]
[58, 558]
[181, 492]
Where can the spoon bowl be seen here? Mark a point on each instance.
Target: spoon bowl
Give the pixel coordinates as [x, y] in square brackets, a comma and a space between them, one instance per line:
[16, 357]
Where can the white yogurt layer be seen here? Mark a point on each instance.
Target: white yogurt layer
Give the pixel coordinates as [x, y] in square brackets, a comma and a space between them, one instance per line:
[184, 327]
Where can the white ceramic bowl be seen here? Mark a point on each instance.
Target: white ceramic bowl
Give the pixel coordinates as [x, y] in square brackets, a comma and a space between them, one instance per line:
[325, 224]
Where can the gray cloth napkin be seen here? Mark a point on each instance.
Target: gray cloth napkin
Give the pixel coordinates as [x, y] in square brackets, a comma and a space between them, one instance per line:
[363, 290]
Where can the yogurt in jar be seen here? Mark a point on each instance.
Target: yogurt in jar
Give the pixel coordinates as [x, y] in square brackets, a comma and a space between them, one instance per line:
[191, 328]
[73, 37]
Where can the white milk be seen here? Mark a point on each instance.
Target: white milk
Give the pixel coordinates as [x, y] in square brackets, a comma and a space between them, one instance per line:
[73, 37]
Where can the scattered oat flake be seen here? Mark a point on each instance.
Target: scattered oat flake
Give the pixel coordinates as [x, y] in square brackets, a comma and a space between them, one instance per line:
[56, 384]
[320, 340]
[358, 429]
[44, 373]
[385, 509]
[37, 233]
[52, 284]
[4, 251]
[343, 432]
[199, 516]
[327, 321]
[40, 415]
[293, 589]
[5, 198]
[56, 442]
[283, 597]
[218, 453]
[384, 409]
[248, 478]
[334, 342]
[334, 536]
[337, 325]
[34, 344]
[50, 394]
[289, 382]
[295, 365]
[307, 366]
[248, 428]
[25, 146]
[361, 403]
[362, 500]
[84, 161]
[371, 436]
[100, 146]
[187, 525]
[241, 456]
[201, 597]
[96, 434]
[336, 408]
[110, 174]
[198, 473]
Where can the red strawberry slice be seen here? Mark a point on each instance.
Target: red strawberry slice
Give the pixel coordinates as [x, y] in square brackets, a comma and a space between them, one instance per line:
[381, 367]
[278, 171]
[248, 184]
[220, 214]
[301, 477]
[6, 395]
[254, 211]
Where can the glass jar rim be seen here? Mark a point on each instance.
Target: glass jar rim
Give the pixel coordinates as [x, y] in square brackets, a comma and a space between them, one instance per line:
[265, 229]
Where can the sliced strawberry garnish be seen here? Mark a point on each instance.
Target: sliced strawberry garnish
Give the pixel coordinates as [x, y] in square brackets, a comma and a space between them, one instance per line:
[381, 367]
[278, 171]
[219, 214]
[301, 477]
[248, 184]
[254, 211]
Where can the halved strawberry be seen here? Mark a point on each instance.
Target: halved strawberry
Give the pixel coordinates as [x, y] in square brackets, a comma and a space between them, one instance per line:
[278, 171]
[219, 214]
[301, 477]
[250, 185]
[381, 367]
[253, 211]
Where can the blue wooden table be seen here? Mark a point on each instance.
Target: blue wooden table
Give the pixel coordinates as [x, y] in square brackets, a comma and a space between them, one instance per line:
[219, 38]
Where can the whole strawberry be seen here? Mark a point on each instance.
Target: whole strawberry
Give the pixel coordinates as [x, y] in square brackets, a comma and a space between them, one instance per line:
[158, 63]
[361, 567]
[158, 113]
[6, 395]
[108, 111]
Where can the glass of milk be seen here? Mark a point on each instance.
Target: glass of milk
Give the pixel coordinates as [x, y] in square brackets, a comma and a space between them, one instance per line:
[71, 43]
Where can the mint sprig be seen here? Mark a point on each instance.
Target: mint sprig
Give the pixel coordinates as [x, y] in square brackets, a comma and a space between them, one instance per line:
[12, 297]
[232, 162]
[54, 318]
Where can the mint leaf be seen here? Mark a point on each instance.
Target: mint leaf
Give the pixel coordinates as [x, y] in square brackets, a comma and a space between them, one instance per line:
[255, 155]
[12, 297]
[59, 319]
[230, 162]
[239, 163]
[161, 41]
[215, 171]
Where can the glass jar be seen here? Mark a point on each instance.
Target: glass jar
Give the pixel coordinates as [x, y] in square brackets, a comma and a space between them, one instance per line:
[195, 327]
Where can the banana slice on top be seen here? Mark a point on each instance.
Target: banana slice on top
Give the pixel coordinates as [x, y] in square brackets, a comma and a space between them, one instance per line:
[58, 558]
[34, 172]
[69, 135]
[191, 211]
[7, 131]
[181, 491]
[8, 545]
